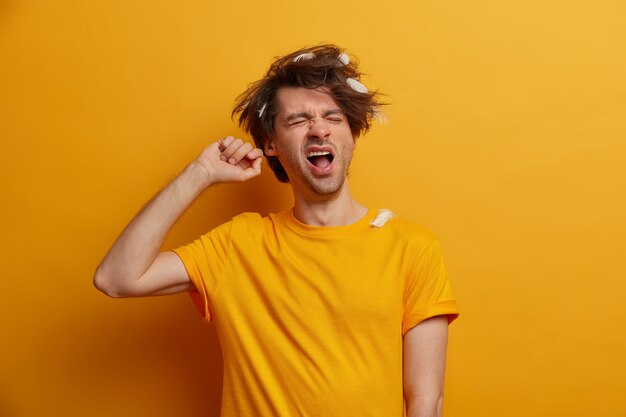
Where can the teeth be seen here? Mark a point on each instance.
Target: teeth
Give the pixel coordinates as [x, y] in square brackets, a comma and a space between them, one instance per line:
[321, 153]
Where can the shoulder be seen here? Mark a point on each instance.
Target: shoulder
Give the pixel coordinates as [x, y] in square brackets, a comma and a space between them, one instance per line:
[404, 230]
[255, 220]
[247, 219]
[240, 223]
[250, 224]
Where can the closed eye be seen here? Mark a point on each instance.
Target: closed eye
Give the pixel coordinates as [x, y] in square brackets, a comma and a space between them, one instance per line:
[297, 122]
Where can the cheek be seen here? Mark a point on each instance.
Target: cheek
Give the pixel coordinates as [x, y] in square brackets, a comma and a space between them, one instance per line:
[286, 150]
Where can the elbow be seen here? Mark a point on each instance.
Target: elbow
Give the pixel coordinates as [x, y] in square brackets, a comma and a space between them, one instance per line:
[106, 284]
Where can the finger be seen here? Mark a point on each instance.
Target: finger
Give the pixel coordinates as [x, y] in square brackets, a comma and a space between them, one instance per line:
[239, 154]
[254, 154]
[223, 144]
[231, 148]
[250, 157]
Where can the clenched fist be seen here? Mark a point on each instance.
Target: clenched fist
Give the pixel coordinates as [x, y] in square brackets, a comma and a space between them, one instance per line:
[230, 160]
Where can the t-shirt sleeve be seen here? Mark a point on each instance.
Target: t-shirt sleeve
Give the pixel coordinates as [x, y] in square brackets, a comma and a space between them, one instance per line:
[204, 259]
[428, 292]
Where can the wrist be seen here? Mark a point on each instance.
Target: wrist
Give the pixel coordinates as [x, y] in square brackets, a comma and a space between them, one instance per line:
[200, 175]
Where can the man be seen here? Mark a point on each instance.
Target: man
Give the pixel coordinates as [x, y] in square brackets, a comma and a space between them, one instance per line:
[326, 309]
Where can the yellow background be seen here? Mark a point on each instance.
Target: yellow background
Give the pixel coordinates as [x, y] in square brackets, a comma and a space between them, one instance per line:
[506, 136]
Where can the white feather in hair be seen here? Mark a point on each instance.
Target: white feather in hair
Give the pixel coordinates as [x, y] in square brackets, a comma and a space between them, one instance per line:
[356, 85]
[262, 109]
[383, 217]
[305, 56]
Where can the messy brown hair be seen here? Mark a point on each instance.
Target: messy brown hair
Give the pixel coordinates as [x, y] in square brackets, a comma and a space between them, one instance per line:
[321, 66]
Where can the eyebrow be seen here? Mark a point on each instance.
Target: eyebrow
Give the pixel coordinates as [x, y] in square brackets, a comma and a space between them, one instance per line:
[307, 115]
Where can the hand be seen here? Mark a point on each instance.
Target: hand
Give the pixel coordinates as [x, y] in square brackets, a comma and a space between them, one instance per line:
[230, 160]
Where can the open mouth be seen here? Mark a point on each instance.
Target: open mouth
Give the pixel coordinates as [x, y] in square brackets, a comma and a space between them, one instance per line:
[320, 159]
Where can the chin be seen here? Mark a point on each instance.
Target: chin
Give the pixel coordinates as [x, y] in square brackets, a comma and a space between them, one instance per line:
[326, 189]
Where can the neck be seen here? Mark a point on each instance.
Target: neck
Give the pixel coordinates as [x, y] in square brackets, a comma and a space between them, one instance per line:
[339, 209]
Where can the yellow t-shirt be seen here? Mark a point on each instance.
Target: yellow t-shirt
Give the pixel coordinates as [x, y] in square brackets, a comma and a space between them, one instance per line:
[311, 319]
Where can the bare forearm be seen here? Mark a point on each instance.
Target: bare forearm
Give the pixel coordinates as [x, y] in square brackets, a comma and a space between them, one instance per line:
[424, 367]
[424, 408]
[137, 246]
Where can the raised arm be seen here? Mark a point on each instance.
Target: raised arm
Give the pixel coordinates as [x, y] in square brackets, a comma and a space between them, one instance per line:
[424, 367]
[133, 266]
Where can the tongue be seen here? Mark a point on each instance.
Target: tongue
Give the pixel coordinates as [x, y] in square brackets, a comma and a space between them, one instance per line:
[320, 161]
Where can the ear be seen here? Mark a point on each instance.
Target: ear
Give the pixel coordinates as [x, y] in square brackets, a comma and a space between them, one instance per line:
[269, 148]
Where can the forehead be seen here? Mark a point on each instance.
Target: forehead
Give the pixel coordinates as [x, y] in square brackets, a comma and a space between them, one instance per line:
[298, 99]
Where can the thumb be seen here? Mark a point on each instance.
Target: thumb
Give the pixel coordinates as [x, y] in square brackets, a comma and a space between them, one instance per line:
[256, 165]
[253, 170]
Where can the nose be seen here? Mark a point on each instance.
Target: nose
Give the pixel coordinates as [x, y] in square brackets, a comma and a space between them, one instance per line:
[318, 128]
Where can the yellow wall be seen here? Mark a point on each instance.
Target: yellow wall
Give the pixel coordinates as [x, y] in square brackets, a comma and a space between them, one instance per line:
[506, 135]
